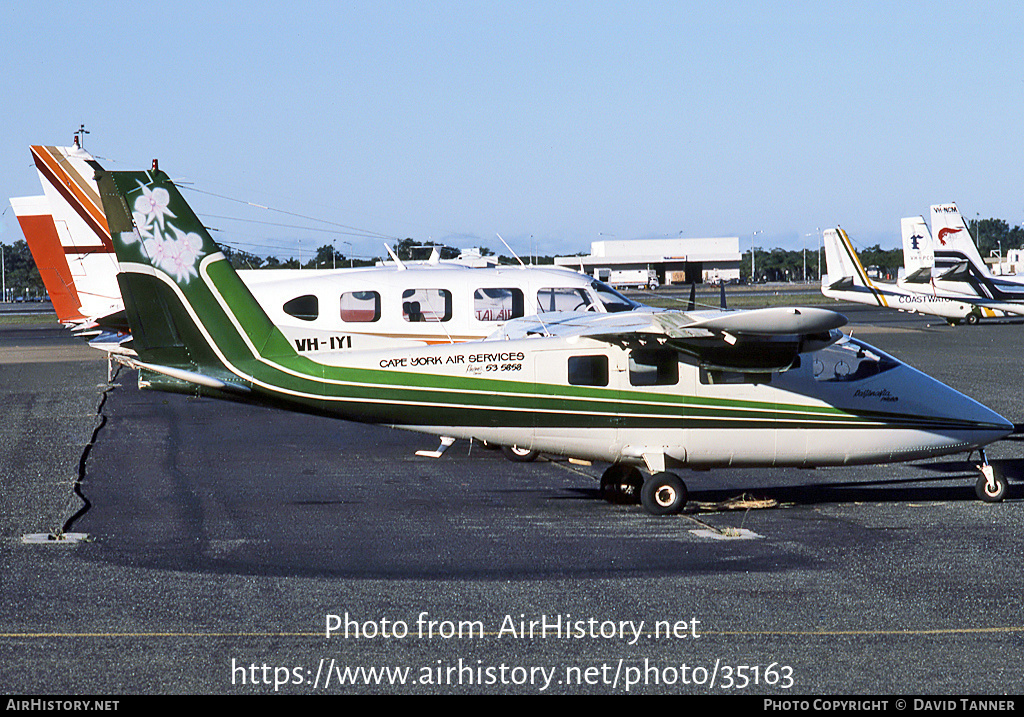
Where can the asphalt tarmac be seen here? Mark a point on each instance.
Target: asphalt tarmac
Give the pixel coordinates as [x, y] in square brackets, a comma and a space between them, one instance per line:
[225, 541]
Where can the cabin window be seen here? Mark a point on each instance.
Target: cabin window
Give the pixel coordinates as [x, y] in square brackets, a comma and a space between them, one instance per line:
[588, 370]
[653, 367]
[564, 298]
[498, 304]
[360, 306]
[305, 307]
[718, 377]
[427, 305]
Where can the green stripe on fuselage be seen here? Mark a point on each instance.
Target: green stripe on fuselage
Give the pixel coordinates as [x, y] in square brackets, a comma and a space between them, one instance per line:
[420, 398]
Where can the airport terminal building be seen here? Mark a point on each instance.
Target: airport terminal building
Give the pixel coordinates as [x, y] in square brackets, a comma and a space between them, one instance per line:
[668, 261]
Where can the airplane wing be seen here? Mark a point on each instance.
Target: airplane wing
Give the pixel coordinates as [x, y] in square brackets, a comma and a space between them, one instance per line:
[753, 340]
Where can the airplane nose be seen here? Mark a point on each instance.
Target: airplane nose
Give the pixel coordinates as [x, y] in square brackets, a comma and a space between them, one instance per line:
[975, 422]
[1004, 429]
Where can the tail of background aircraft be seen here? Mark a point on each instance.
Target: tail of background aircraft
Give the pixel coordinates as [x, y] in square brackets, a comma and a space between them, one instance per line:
[67, 233]
[36, 220]
[843, 269]
[918, 251]
[952, 239]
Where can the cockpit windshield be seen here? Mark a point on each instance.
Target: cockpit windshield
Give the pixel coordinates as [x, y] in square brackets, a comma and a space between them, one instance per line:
[851, 360]
[613, 301]
[578, 298]
[565, 298]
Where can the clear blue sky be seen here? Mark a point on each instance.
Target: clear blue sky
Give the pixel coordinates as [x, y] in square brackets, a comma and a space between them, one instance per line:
[563, 121]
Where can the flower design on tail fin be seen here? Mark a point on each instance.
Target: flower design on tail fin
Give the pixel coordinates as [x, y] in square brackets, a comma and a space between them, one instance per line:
[152, 206]
[168, 247]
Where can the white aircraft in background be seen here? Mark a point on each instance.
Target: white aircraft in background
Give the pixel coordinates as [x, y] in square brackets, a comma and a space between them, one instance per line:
[919, 273]
[319, 310]
[846, 280]
[768, 387]
[950, 265]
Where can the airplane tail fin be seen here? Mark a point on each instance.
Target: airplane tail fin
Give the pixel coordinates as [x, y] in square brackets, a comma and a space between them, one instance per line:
[192, 318]
[843, 269]
[44, 243]
[77, 247]
[952, 238]
[918, 251]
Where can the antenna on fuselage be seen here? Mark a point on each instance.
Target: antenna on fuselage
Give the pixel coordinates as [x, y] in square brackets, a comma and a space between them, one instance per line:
[516, 256]
[523, 266]
[394, 256]
[435, 312]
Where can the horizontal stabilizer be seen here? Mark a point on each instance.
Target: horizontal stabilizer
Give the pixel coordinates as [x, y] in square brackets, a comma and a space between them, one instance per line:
[958, 272]
[192, 377]
[921, 276]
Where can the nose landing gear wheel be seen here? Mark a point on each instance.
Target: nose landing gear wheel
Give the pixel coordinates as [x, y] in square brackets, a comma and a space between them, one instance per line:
[663, 494]
[991, 485]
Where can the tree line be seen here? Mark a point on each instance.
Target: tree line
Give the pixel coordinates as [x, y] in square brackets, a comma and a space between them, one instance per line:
[21, 277]
[807, 266]
[992, 236]
[22, 280]
[328, 257]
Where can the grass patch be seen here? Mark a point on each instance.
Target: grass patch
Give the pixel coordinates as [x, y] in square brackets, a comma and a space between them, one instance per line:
[13, 319]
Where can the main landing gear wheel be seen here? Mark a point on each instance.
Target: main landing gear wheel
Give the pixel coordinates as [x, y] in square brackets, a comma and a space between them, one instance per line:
[519, 455]
[991, 486]
[663, 494]
[972, 318]
[621, 484]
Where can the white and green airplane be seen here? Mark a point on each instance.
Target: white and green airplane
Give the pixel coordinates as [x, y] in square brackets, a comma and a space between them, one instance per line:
[658, 390]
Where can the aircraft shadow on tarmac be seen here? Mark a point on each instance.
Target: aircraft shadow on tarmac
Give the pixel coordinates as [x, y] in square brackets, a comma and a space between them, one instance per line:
[481, 539]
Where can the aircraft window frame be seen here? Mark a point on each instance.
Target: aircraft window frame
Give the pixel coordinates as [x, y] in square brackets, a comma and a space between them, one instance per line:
[304, 308]
[617, 302]
[413, 301]
[588, 370]
[565, 298]
[662, 367]
[512, 306]
[359, 314]
[723, 377]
